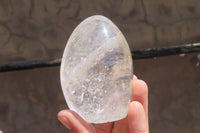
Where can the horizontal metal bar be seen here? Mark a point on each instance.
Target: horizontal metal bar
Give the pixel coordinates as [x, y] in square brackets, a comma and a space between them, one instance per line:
[166, 51]
[137, 54]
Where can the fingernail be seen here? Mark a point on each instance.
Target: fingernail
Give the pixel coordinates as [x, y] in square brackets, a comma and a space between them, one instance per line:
[65, 122]
[134, 77]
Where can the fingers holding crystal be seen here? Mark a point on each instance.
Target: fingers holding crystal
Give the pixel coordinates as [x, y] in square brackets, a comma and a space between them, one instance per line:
[140, 94]
[104, 127]
[74, 122]
[136, 118]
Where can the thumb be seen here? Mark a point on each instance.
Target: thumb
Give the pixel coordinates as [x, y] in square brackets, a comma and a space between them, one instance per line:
[74, 122]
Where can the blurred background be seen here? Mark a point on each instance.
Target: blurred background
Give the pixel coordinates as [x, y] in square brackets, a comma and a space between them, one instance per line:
[30, 29]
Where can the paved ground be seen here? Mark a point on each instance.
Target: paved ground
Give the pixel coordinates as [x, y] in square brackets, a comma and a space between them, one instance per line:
[30, 100]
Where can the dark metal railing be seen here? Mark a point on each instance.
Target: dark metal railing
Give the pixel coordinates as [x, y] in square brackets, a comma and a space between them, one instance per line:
[137, 54]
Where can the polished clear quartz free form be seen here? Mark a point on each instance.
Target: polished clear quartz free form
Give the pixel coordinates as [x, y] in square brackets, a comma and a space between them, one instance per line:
[96, 71]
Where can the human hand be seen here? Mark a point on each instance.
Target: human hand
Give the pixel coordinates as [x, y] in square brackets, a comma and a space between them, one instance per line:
[135, 122]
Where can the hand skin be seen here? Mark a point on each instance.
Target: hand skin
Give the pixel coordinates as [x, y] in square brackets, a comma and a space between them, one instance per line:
[135, 122]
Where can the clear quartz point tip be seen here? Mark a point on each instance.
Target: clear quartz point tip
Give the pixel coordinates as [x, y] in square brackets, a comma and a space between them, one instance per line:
[96, 71]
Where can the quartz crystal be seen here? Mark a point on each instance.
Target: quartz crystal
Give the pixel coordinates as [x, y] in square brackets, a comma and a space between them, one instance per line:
[96, 71]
